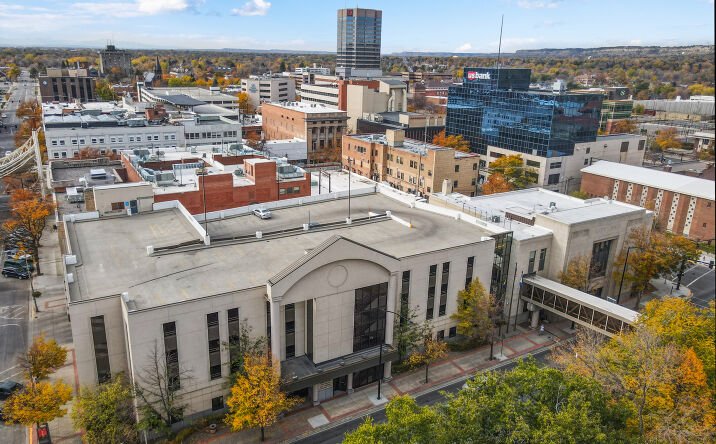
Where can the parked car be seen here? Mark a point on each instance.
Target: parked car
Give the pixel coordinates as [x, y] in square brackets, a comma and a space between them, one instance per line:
[18, 263]
[262, 213]
[8, 387]
[17, 273]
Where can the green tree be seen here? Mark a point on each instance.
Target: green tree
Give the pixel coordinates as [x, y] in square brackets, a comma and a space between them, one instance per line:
[408, 333]
[13, 73]
[476, 313]
[406, 422]
[513, 168]
[244, 344]
[106, 413]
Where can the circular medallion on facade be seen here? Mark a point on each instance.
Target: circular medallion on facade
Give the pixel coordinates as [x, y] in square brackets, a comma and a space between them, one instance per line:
[337, 276]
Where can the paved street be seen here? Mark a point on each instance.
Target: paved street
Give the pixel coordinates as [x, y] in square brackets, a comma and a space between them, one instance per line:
[24, 89]
[335, 434]
[702, 282]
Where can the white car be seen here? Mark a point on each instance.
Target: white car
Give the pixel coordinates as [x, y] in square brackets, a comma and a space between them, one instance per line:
[262, 213]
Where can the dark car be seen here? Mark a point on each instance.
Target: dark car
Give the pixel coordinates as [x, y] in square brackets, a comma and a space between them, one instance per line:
[17, 273]
[8, 387]
[20, 264]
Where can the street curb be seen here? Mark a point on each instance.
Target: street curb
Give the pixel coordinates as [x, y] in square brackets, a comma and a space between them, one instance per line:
[438, 387]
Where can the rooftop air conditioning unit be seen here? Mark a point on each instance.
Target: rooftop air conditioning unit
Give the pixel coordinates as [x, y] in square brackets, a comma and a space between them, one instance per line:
[495, 219]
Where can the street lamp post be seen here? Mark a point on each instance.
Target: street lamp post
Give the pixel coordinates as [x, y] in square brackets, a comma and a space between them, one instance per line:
[626, 261]
[380, 353]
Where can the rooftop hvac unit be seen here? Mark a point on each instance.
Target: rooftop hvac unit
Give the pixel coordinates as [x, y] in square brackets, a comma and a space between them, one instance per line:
[495, 219]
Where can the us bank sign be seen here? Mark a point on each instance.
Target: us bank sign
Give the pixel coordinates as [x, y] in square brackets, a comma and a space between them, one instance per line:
[472, 75]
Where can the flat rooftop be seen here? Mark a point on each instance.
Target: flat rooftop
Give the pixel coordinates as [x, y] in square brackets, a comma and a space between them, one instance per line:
[307, 107]
[110, 265]
[677, 183]
[192, 91]
[536, 202]
[411, 145]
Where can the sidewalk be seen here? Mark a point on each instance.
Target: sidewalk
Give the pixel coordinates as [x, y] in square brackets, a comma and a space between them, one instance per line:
[52, 321]
[459, 365]
[662, 288]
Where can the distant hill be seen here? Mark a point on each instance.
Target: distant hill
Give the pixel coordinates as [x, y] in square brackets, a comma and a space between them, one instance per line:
[637, 51]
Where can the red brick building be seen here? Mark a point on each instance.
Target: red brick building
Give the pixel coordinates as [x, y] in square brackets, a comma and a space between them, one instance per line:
[230, 182]
[681, 204]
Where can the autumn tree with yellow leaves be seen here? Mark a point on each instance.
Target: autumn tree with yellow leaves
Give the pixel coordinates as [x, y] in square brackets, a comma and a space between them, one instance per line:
[40, 400]
[30, 214]
[656, 371]
[577, 273]
[432, 350]
[256, 399]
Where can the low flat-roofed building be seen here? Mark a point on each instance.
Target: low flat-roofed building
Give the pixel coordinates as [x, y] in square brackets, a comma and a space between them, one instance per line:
[410, 165]
[681, 204]
[188, 96]
[204, 180]
[324, 295]
[548, 230]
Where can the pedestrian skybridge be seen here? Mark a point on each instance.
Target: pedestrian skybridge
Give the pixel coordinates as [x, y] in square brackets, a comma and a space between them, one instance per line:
[583, 308]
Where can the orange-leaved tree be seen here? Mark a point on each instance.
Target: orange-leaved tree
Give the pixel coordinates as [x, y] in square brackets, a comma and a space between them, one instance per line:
[455, 142]
[496, 183]
[30, 215]
[623, 126]
[256, 399]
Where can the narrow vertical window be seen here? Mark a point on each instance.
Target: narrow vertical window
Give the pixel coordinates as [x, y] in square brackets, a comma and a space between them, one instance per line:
[432, 278]
[531, 265]
[171, 355]
[542, 259]
[444, 289]
[101, 352]
[212, 327]
[404, 296]
[469, 271]
[290, 314]
[234, 339]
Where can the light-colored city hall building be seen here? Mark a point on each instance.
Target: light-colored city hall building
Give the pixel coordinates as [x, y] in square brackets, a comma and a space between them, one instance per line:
[325, 293]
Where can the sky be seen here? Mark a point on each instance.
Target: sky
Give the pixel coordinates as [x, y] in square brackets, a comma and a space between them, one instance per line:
[408, 25]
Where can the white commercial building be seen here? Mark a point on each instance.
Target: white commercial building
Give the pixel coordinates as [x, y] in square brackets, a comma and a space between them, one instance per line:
[325, 296]
[66, 135]
[564, 173]
[325, 93]
[547, 231]
[363, 101]
[108, 127]
[268, 88]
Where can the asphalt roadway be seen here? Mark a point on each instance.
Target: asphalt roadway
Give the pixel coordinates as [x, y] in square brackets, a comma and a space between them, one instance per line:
[336, 434]
[14, 300]
[701, 280]
[24, 89]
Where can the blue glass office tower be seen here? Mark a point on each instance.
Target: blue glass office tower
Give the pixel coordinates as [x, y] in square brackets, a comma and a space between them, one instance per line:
[495, 107]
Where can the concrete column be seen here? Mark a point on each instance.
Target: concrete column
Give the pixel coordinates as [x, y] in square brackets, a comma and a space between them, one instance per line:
[315, 390]
[535, 319]
[276, 330]
[349, 384]
[390, 317]
[387, 367]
